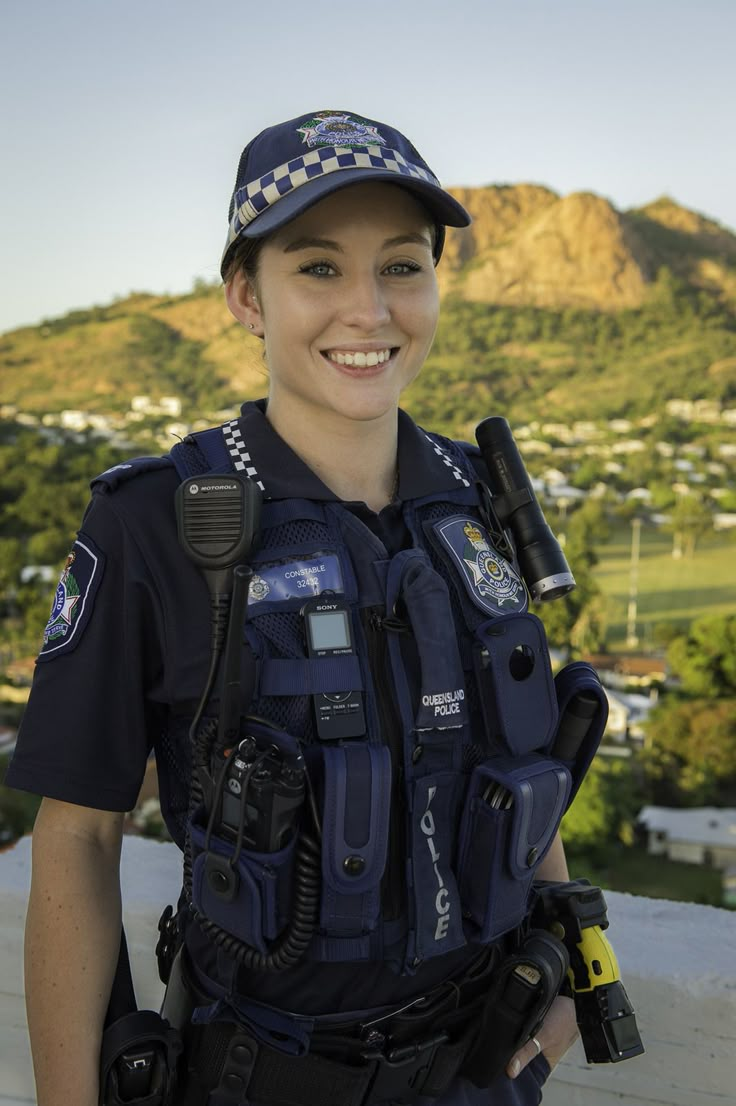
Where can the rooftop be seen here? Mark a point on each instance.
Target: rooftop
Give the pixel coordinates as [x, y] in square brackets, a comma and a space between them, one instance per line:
[678, 964]
[704, 825]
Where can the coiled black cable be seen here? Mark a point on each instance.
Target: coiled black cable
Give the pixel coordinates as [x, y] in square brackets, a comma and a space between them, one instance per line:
[294, 941]
[307, 882]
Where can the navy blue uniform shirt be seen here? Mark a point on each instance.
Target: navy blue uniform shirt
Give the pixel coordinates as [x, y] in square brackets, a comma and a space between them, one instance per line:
[127, 654]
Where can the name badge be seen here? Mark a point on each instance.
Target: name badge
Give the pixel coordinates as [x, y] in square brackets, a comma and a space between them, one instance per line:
[296, 580]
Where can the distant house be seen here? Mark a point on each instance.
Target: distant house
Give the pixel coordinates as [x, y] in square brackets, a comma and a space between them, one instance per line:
[703, 835]
[620, 669]
[627, 714]
[45, 574]
[630, 445]
[618, 718]
[642, 494]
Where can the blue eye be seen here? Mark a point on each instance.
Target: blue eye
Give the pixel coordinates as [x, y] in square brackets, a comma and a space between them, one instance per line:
[400, 268]
[318, 268]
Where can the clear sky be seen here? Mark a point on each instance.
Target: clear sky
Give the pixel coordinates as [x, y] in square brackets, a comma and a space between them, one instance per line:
[122, 122]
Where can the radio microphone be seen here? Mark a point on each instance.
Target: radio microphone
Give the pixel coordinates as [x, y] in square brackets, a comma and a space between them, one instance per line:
[217, 521]
[543, 564]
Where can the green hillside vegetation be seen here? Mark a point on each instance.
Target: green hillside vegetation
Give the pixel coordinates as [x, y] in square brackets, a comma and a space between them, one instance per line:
[525, 361]
[574, 364]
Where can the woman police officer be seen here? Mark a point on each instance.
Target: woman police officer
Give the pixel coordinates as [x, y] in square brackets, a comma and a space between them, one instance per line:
[336, 225]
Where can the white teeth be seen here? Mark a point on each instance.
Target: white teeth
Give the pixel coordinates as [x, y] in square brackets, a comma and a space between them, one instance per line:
[360, 360]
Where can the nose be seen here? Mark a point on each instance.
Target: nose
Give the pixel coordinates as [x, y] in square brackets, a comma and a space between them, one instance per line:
[365, 306]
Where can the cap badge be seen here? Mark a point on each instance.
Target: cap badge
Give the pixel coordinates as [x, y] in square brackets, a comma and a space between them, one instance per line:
[331, 128]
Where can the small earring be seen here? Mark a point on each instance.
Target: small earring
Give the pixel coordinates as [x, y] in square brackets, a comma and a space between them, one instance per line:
[251, 326]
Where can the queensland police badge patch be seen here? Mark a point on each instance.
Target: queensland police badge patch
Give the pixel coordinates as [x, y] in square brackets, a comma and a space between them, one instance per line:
[490, 580]
[337, 128]
[73, 598]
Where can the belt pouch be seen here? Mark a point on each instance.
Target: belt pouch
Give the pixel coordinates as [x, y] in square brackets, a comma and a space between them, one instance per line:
[255, 907]
[512, 813]
[583, 713]
[357, 797]
[515, 683]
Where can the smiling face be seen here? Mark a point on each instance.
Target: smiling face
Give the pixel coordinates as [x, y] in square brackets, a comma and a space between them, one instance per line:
[346, 300]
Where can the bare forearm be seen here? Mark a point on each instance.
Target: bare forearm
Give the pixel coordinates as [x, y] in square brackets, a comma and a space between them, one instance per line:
[554, 865]
[72, 939]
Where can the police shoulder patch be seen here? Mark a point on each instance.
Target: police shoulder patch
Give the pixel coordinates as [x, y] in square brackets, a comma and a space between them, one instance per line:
[73, 599]
[490, 580]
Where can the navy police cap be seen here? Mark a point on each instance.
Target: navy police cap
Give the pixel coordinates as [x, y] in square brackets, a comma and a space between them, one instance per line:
[290, 167]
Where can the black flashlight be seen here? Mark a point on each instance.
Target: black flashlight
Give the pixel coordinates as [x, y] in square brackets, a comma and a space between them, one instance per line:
[543, 564]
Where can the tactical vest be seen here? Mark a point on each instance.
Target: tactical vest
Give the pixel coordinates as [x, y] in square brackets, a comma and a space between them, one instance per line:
[434, 822]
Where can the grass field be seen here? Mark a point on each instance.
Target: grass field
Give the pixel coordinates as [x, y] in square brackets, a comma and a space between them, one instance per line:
[670, 591]
[634, 870]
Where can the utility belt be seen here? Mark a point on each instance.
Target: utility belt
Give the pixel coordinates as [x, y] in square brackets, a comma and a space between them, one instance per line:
[471, 1025]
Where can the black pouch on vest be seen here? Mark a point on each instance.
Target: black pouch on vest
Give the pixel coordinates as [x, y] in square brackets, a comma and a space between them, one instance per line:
[247, 893]
[515, 682]
[355, 824]
[250, 898]
[512, 813]
[583, 713]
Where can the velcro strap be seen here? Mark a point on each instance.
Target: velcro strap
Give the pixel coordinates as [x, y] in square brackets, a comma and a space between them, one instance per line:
[311, 676]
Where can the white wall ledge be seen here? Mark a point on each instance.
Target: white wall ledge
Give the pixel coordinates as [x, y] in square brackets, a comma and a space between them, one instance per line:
[678, 963]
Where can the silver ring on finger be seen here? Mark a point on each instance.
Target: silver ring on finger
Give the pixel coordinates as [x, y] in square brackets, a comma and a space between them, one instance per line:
[536, 1042]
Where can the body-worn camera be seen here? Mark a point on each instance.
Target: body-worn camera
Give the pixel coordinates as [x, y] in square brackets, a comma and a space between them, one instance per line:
[263, 791]
[338, 713]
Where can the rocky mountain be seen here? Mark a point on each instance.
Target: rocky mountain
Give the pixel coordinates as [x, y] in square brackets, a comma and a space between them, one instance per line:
[528, 245]
[651, 290]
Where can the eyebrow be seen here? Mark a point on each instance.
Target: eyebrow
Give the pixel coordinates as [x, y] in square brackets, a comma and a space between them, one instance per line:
[329, 244]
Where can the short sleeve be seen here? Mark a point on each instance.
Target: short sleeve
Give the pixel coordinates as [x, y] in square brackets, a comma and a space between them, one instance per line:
[93, 713]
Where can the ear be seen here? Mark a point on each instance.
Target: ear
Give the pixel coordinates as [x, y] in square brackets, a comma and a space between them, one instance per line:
[241, 298]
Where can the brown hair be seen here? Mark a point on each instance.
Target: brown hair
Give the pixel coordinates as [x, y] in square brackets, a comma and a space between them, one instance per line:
[244, 258]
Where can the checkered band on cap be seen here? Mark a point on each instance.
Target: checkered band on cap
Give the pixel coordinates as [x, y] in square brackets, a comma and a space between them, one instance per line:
[260, 195]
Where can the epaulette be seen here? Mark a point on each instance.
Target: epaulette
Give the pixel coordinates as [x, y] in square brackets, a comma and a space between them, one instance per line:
[470, 449]
[475, 458]
[113, 477]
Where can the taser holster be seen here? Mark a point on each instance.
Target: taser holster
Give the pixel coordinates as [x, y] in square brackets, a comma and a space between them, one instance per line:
[523, 989]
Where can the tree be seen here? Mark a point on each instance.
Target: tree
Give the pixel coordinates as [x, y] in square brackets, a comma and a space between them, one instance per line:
[577, 622]
[604, 810]
[704, 659]
[690, 757]
[689, 520]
